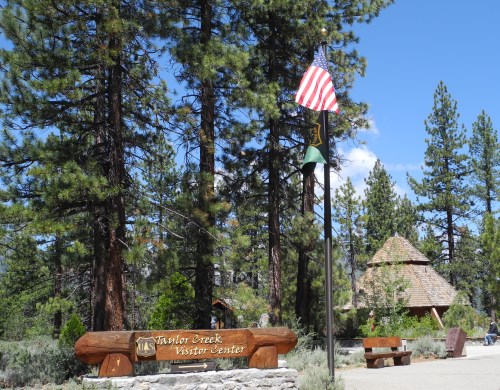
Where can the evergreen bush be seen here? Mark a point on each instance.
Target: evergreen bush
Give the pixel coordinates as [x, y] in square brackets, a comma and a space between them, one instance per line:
[427, 347]
[72, 331]
[404, 326]
[414, 327]
[463, 316]
[312, 364]
[314, 378]
[174, 308]
[37, 361]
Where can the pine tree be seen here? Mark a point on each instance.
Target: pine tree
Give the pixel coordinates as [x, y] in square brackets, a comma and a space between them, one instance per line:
[406, 219]
[276, 65]
[25, 282]
[347, 209]
[380, 208]
[83, 74]
[490, 246]
[305, 248]
[445, 173]
[211, 56]
[431, 246]
[485, 153]
[468, 265]
[158, 231]
[83, 106]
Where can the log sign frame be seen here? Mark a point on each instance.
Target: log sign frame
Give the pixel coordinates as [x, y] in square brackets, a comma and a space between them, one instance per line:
[116, 352]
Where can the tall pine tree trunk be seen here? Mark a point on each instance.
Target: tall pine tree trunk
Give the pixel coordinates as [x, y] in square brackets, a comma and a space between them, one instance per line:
[115, 302]
[274, 225]
[99, 231]
[489, 201]
[109, 215]
[274, 191]
[204, 265]
[58, 269]
[451, 244]
[304, 279]
[353, 266]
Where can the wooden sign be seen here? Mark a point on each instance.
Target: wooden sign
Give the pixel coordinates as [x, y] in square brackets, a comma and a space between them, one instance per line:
[115, 352]
[455, 342]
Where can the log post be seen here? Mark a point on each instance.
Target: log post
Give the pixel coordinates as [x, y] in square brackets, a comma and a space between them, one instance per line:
[116, 364]
[264, 357]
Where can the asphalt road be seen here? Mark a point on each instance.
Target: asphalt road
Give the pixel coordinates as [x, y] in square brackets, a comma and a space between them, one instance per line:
[480, 370]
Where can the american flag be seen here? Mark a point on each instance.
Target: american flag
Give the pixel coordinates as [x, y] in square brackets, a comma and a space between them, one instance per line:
[316, 89]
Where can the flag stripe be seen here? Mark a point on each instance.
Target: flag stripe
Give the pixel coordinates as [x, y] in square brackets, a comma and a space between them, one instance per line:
[316, 90]
[313, 98]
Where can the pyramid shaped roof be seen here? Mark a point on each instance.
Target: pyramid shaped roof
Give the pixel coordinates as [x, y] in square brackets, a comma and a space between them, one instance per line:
[398, 250]
[398, 259]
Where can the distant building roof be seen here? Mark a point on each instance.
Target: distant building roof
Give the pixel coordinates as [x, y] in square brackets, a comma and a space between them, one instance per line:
[426, 288]
[398, 250]
[223, 304]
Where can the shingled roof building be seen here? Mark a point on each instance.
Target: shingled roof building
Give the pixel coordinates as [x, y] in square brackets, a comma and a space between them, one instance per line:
[426, 291]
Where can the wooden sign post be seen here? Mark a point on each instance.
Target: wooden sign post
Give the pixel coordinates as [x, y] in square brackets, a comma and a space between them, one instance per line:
[116, 352]
[455, 343]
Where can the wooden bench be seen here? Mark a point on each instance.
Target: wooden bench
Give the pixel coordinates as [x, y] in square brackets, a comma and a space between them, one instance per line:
[376, 359]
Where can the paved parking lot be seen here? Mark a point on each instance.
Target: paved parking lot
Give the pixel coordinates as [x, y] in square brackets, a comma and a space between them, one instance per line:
[480, 370]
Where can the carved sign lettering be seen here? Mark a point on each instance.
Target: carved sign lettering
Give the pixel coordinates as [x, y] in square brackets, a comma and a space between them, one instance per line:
[203, 344]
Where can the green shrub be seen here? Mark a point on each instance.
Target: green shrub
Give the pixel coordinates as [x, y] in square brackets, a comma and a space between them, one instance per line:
[300, 360]
[427, 347]
[35, 362]
[305, 339]
[353, 359]
[404, 326]
[414, 327]
[151, 367]
[385, 327]
[464, 317]
[314, 378]
[247, 304]
[72, 331]
[347, 326]
[231, 363]
[313, 366]
[174, 308]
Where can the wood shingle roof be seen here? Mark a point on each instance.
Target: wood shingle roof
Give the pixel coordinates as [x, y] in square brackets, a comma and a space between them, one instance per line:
[398, 250]
[399, 259]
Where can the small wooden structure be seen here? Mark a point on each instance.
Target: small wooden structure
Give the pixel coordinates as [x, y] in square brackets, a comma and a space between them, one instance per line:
[116, 352]
[376, 359]
[427, 291]
[224, 314]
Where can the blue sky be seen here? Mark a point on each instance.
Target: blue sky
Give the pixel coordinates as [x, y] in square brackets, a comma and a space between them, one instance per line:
[410, 47]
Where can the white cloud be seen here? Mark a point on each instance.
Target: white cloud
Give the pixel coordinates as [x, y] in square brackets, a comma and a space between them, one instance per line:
[358, 162]
[371, 129]
[400, 190]
[403, 167]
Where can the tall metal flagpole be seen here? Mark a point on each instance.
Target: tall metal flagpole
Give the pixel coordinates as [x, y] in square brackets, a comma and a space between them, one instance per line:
[328, 244]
